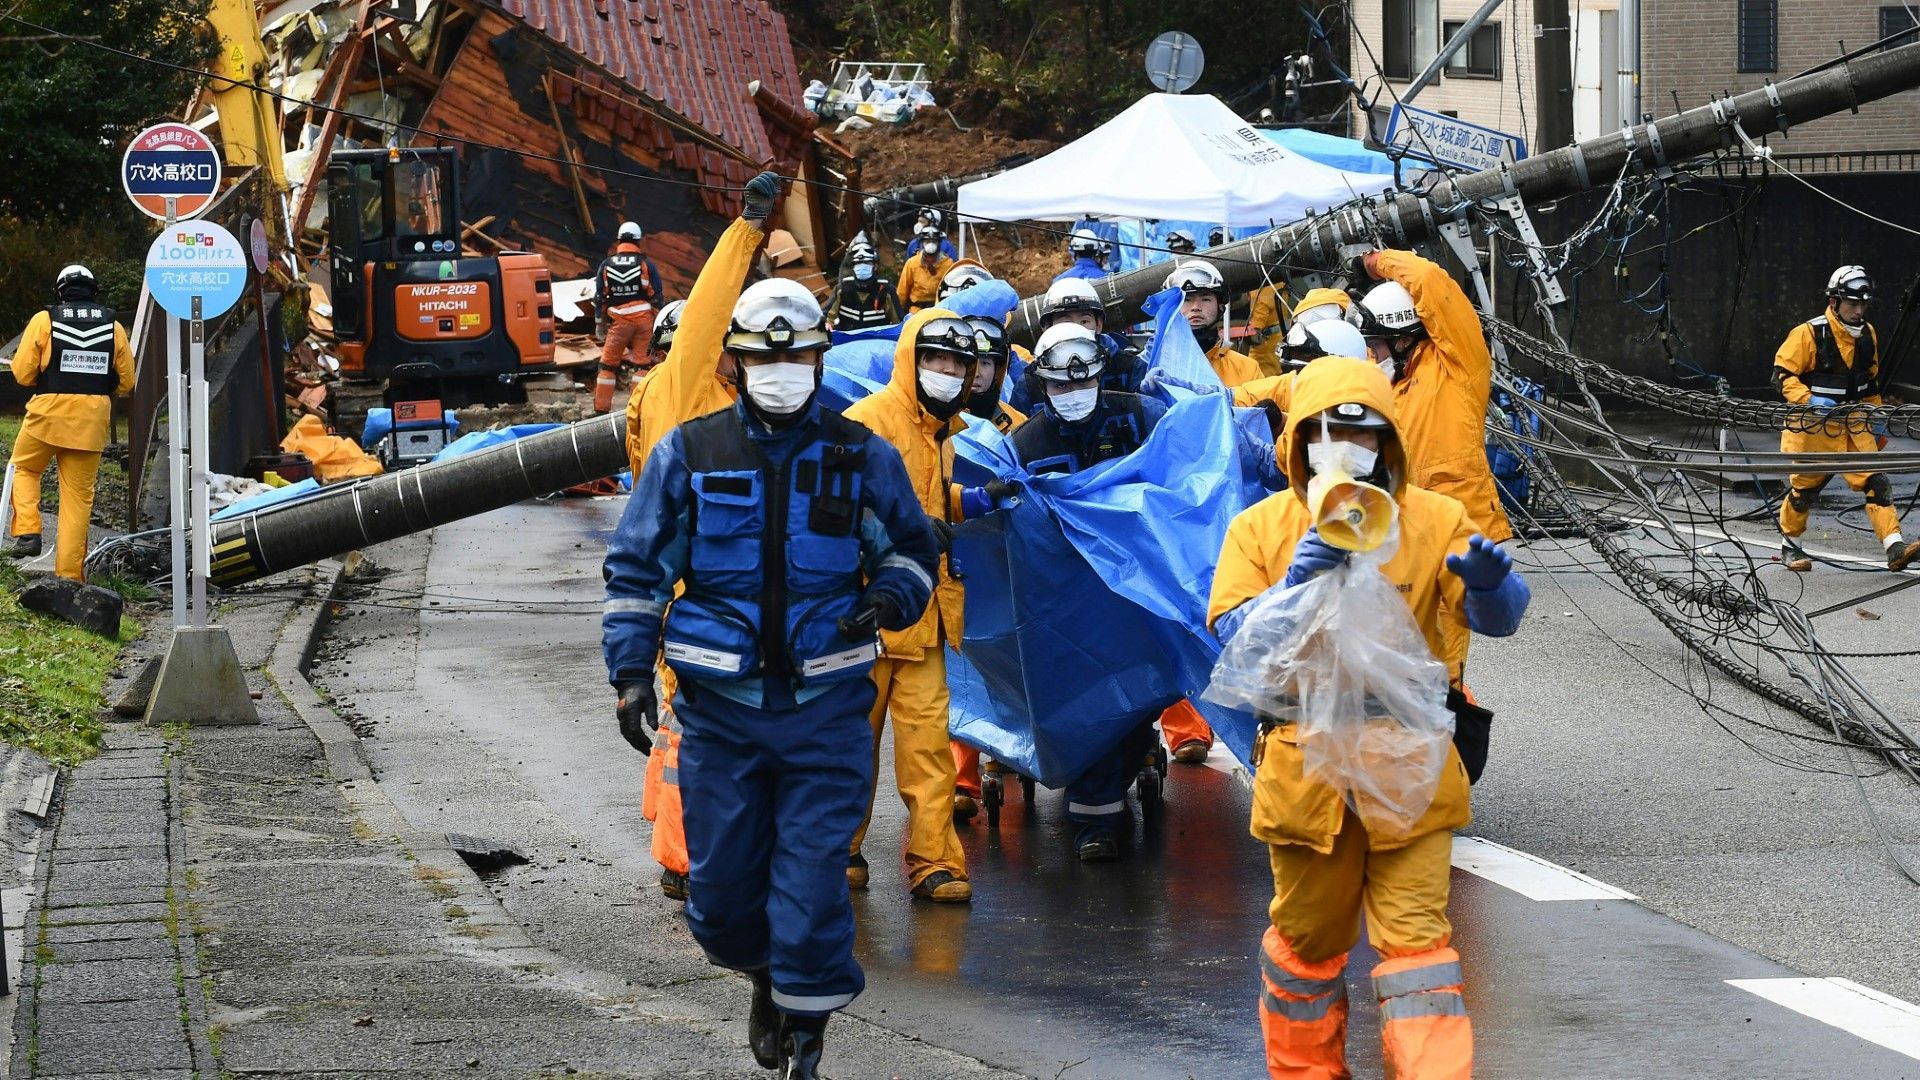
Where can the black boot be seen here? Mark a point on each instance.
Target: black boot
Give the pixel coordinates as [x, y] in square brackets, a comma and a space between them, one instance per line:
[24, 546]
[763, 1023]
[800, 1040]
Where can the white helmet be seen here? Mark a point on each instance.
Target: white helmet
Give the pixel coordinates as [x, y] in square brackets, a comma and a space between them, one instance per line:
[1197, 276]
[932, 215]
[1072, 294]
[1181, 242]
[1085, 242]
[1850, 283]
[664, 326]
[1323, 337]
[777, 315]
[963, 276]
[77, 280]
[1068, 352]
[629, 230]
[1388, 311]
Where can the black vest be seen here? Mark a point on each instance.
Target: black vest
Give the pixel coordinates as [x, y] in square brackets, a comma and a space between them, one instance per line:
[863, 304]
[80, 352]
[1830, 376]
[624, 276]
[1117, 428]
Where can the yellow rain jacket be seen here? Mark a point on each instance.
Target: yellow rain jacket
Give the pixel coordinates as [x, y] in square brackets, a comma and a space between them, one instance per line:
[1798, 361]
[1275, 388]
[68, 421]
[687, 384]
[1270, 315]
[895, 414]
[1288, 808]
[1442, 398]
[1233, 367]
[919, 285]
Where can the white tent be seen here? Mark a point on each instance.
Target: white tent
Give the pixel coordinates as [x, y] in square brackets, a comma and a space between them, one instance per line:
[1169, 157]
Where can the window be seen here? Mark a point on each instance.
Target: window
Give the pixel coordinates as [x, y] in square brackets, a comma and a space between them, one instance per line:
[1759, 35]
[1899, 20]
[1411, 29]
[1479, 58]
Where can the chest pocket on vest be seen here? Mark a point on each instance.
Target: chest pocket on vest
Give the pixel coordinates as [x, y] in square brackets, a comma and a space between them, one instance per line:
[728, 517]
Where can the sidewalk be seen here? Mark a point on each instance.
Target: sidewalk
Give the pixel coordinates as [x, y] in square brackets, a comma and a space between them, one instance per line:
[248, 901]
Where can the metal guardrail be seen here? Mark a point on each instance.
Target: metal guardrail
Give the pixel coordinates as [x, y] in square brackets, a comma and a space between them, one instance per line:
[1852, 161]
[148, 336]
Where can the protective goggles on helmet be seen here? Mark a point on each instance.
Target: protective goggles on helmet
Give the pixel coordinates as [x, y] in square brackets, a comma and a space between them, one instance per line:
[963, 277]
[989, 337]
[1850, 283]
[780, 322]
[1196, 277]
[1073, 360]
[950, 335]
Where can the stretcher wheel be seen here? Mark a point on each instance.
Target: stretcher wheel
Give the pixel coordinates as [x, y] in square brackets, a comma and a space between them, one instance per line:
[992, 796]
[1147, 787]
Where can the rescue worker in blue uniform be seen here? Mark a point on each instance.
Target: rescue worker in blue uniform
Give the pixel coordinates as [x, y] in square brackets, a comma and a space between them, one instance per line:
[1089, 257]
[797, 537]
[1077, 426]
[1123, 369]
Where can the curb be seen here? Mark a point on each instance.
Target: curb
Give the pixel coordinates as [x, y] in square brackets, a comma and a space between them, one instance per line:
[488, 922]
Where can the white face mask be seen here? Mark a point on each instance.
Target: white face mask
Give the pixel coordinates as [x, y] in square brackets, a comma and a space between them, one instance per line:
[780, 388]
[1326, 455]
[1075, 405]
[938, 387]
[931, 247]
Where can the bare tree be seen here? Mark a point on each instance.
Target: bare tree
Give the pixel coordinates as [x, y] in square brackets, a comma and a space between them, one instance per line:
[959, 37]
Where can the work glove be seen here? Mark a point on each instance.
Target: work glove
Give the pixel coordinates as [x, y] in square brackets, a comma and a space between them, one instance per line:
[1276, 420]
[639, 713]
[871, 613]
[600, 333]
[983, 500]
[1356, 269]
[1484, 566]
[942, 532]
[1158, 380]
[762, 190]
[1880, 429]
[1820, 402]
[1313, 556]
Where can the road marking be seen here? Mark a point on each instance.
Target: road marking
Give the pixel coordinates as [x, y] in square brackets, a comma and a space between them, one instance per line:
[1879, 1018]
[1529, 875]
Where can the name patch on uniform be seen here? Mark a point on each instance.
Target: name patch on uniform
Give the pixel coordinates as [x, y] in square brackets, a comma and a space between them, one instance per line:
[80, 362]
[822, 665]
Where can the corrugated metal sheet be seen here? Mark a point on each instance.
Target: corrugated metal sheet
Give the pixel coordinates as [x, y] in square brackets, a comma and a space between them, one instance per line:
[696, 57]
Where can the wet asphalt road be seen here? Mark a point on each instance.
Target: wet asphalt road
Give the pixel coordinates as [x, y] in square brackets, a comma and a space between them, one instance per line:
[499, 723]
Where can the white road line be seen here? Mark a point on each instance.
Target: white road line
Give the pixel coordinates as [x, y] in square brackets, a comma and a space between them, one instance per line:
[1529, 875]
[1876, 1017]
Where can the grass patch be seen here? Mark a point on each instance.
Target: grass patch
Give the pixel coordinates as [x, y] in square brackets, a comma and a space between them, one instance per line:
[51, 674]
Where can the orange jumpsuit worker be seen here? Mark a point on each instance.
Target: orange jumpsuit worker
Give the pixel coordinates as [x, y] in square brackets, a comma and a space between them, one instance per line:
[75, 357]
[688, 384]
[1327, 867]
[1832, 362]
[1421, 324]
[920, 278]
[628, 290]
[916, 413]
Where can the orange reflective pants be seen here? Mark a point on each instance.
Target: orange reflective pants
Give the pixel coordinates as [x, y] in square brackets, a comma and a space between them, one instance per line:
[1182, 723]
[966, 766]
[1424, 1031]
[623, 337]
[660, 801]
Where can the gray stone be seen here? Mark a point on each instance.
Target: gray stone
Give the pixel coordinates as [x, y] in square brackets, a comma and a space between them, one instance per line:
[70, 856]
[145, 763]
[82, 952]
[116, 1044]
[108, 980]
[132, 699]
[111, 931]
[124, 873]
[86, 606]
[91, 821]
[201, 681]
[157, 1011]
[58, 897]
[100, 914]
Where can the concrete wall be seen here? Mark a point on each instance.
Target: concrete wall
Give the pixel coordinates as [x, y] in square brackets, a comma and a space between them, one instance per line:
[1691, 49]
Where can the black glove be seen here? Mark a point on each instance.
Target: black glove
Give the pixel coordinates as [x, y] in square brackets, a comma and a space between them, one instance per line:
[1276, 420]
[1000, 491]
[864, 622]
[942, 532]
[1356, 270]
[762, 190]
[639, 713]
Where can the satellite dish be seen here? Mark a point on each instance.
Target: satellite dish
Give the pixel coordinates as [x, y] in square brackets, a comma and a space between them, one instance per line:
[1175, 61]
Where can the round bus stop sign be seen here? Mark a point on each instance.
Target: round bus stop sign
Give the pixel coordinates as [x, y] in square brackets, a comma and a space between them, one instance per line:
[196, 258]
[171, 161]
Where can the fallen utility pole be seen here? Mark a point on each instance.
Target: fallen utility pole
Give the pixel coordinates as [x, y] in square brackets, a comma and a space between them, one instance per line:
[386, 507]
[1317, 242]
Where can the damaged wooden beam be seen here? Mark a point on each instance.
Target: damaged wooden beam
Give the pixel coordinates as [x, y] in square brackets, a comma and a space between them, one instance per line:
[573, 161]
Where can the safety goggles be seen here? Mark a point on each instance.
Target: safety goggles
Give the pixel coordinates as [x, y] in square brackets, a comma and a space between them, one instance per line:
[1070, 361]
[954, 335]
[989, 337]
[776, 334]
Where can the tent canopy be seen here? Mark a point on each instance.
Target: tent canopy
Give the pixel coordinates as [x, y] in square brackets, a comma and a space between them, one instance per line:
[1168, 156]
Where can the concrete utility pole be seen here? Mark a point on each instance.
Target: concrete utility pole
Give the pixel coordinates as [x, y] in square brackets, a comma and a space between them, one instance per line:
[1552, 75]
[367, 512]
[1403, 219]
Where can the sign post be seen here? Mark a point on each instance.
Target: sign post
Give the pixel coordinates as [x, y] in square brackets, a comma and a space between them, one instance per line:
[1449, 140]
[194, 270]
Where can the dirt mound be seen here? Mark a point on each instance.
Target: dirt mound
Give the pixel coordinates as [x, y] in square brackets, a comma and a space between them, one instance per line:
[1028, 254]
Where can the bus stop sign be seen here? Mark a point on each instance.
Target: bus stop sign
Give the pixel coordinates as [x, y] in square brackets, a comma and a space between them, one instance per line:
[171, 161]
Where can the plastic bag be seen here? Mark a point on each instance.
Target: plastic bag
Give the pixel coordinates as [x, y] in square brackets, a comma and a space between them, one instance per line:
[1342, 660]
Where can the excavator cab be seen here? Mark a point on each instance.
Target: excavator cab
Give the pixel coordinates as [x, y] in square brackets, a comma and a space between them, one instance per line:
[408, 307]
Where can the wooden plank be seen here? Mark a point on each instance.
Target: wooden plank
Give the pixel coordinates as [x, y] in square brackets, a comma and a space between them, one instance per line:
[566, 150]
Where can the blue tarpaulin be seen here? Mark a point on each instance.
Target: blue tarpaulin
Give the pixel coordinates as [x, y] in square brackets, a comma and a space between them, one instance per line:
[861, 362]
[1129, 547]
[1347, 155]
[290, 493]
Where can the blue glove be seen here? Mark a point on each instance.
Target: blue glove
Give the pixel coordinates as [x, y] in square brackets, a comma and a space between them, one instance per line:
[993, 495]
[1484, 566]
[1313, 556]
[762, 190]
[1158, 380]
[1880, 427]
[1820, 402]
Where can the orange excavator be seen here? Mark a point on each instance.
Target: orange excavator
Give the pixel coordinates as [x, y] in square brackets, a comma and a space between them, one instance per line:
[440, 330]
